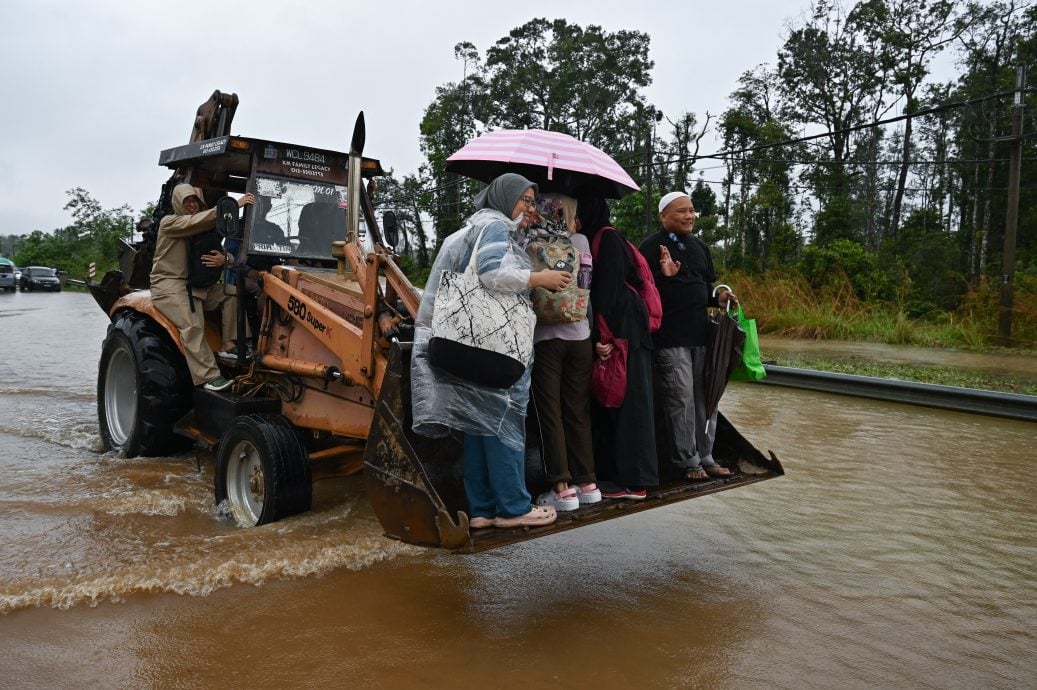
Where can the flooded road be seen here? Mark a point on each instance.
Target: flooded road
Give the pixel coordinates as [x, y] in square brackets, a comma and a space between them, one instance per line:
[899, 550]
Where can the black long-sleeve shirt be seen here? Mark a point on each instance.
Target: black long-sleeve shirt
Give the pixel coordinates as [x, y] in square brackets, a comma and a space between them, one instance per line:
[611, 297]
[686, 295]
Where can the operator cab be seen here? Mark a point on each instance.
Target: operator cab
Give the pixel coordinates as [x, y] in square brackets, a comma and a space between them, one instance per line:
[301, 194]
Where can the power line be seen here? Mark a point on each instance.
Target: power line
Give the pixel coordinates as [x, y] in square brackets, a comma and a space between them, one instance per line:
[857, 128]
[948, 161]
[879, 188]
[421, 192]
[812, 137]
[805, 139]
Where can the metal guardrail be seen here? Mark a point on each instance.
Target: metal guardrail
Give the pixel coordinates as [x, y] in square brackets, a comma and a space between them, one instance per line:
[995, 404]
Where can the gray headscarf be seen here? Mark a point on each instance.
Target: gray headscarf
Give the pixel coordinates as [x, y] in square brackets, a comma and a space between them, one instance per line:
[503, 193]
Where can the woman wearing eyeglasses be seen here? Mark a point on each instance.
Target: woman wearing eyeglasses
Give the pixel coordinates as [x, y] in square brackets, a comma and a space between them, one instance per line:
[492, 420]
[684, 273]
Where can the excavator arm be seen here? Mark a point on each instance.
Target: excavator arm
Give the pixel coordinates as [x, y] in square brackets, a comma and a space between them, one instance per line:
[214, 117]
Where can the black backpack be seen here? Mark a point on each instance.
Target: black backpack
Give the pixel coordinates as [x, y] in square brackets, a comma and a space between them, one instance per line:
[198, 274]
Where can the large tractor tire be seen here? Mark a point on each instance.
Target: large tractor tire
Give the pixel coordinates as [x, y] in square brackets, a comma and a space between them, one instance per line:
[262, 470]
[143, 388]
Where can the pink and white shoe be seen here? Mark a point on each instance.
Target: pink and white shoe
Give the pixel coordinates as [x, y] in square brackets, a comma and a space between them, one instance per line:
[588, 493]
[560, 501]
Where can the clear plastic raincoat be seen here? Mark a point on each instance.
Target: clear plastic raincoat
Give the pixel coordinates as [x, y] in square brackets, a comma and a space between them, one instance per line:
[441, 402]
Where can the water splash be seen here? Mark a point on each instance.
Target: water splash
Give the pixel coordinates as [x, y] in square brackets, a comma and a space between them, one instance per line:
[142, 502]
[75, 434]
[197, 566]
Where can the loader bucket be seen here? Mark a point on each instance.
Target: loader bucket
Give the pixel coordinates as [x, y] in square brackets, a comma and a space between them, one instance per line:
[415, 483]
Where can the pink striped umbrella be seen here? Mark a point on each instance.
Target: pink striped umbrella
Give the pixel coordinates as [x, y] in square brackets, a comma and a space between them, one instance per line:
[556, 162]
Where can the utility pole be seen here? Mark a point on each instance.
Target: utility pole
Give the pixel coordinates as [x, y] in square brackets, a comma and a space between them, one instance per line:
[1004, 330]
[648, 181]
[655, 116]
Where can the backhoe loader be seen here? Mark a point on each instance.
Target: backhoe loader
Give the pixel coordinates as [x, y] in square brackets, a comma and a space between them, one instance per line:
[325, 389]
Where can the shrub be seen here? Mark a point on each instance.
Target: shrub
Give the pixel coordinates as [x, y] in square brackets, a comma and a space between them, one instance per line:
[842, 260]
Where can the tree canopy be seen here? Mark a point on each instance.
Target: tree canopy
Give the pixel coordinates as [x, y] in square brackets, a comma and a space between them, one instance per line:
[935, 171]
[844, 153]
[92, 237]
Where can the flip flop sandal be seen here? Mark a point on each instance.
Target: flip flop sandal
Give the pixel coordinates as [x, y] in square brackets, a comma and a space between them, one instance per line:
[717, 471]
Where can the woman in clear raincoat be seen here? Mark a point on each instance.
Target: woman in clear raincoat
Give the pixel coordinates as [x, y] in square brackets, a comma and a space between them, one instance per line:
[491, 420]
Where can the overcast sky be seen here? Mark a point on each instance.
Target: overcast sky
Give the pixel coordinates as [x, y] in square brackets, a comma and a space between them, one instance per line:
[92, 91]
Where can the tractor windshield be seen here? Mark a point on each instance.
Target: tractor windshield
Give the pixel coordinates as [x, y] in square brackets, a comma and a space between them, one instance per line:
[297, 218]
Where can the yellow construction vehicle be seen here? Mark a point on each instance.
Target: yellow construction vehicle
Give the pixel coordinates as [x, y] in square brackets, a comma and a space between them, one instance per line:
[326, 391]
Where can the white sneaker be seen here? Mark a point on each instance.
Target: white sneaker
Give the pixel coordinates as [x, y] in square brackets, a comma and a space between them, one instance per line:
[588, 493]
[567, 500]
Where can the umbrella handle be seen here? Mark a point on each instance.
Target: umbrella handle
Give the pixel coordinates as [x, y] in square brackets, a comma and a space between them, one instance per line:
[717, 288]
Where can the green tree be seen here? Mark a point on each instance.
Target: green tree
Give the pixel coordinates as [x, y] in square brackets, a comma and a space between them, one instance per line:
[682, 149]
[755, 126]
[909, 34]
[93, 236]
[704, 199]
[829, 78]
[544, 74]
[996, 38]
[562, 77]
[628, 215]
[928, 262]
[443, 133]
[408, 199]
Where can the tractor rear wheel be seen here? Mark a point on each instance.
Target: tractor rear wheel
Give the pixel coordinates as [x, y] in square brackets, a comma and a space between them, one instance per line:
[262, 470]
[143, 388]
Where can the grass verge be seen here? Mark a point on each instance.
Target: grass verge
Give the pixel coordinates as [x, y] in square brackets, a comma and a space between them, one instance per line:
[944, 376]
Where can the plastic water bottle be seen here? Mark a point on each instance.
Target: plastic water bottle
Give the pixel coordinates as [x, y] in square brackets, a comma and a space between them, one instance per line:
[583, 278]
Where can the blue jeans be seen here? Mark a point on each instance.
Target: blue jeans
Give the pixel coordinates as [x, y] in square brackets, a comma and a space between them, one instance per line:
[494, 478]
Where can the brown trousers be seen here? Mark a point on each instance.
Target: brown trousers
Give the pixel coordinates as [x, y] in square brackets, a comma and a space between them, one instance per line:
[176, 307]
[561, 390]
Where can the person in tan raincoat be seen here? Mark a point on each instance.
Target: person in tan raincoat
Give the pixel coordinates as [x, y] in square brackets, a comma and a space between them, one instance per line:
[169, 291]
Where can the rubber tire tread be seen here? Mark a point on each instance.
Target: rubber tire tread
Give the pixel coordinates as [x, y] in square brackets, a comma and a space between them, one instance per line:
[164, 387]
[286, 465]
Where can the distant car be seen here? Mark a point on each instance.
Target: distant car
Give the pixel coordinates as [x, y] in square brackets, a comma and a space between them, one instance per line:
[17, 275]
[39, 278]
[7, 277]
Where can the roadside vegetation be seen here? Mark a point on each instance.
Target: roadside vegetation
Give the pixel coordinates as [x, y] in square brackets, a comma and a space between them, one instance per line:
[92, 237]
[940, 375]
[786, 304]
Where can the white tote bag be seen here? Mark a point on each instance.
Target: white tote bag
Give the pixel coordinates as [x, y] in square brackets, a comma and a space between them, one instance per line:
[480, 335]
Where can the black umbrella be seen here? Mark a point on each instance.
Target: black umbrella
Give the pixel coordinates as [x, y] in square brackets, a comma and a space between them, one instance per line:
[725, 352]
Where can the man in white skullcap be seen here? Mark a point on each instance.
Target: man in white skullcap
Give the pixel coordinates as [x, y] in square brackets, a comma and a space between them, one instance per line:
[683, 270]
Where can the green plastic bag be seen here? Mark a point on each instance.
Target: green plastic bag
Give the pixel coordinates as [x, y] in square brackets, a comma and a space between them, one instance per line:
[750, 368]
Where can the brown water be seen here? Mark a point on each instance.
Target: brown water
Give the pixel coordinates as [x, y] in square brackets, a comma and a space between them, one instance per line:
[898, 551]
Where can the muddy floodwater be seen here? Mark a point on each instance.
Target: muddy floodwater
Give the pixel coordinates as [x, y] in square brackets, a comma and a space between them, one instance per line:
[899, 551]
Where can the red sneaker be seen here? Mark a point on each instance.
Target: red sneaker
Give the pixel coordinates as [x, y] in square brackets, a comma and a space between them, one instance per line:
[631, 494]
